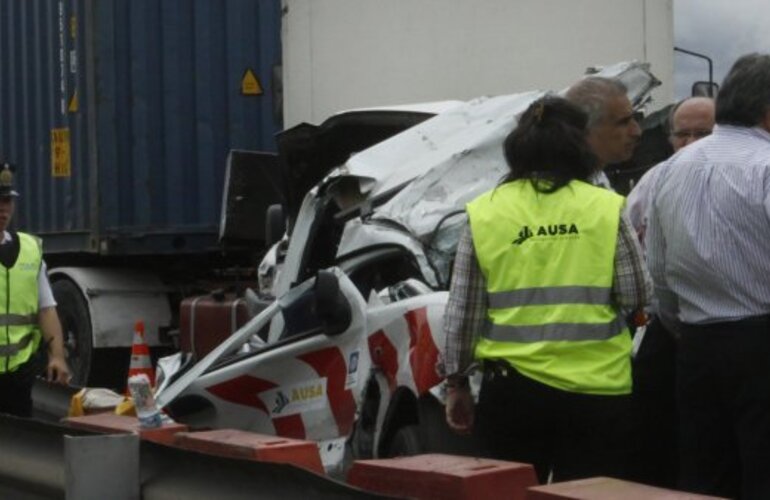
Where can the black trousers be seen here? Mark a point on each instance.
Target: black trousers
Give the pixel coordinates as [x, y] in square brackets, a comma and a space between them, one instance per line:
[16, 387]
[571, 435]
[723, 393]
[655, 440]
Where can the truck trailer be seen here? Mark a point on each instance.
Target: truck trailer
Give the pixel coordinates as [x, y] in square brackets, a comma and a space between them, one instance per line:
[120, 118]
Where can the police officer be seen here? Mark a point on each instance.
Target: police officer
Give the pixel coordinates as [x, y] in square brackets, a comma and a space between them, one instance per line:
[28, 318]
[540, 279]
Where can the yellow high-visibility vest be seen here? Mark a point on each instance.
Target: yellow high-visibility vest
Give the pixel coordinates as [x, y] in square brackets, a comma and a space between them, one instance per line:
[19, 331]
[548, 260]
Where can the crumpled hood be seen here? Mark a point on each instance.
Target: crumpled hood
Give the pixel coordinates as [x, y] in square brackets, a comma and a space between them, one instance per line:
[448, 160]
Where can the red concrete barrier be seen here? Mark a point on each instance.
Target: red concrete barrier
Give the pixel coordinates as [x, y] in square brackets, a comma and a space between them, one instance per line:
[116, 424]
[251, 446]
[437, 476]
[606, 488]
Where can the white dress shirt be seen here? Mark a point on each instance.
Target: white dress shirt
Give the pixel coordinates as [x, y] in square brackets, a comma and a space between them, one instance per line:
[638, 202]
[708, 239]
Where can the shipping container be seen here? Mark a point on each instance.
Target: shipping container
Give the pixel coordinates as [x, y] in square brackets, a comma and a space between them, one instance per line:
[120, 117]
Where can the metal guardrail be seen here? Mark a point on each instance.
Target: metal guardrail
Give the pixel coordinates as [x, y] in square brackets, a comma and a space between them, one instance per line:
[43, 460]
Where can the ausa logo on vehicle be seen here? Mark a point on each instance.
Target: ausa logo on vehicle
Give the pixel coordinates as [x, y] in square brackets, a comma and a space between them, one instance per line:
[547, 232]
[297, 398]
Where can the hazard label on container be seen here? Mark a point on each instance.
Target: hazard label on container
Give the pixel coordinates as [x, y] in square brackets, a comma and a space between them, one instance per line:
[61, 165]
[250, 84]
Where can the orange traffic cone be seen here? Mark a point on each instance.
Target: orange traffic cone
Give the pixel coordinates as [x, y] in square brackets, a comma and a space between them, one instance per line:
[140, 355]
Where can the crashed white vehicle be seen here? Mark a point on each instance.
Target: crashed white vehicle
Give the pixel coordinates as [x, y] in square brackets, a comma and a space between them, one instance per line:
[349, 354]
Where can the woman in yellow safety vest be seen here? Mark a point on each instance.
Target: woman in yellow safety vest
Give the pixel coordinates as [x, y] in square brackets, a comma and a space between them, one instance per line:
[543, 277]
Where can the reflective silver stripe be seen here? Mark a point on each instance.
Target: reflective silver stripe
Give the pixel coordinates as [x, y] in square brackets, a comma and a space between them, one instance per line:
[18, 319]
[550, 295]
[13, 349]
[555, 331]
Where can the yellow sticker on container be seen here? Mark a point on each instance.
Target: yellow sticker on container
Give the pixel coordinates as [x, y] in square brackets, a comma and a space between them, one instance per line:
[61, 165]
[250, 84]
[74, 104]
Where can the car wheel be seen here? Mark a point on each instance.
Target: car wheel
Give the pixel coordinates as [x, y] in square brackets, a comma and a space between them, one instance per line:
[406, 442]
[76, 328]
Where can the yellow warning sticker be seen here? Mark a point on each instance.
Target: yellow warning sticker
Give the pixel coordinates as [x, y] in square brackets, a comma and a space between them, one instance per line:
[74, 104]
[61, 165]
[250, 84]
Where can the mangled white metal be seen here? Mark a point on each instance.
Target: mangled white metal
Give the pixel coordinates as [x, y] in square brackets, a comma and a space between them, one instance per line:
[359, 235]
[436, 141]
[450, 159]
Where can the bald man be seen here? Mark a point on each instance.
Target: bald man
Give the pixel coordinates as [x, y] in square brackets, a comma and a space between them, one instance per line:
[691, 119]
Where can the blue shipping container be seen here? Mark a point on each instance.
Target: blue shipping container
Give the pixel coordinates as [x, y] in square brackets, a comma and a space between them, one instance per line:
[119, 115]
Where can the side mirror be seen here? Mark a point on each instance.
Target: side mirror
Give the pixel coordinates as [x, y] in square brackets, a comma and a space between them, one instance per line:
[275, 224]
[705, 89]
[331, 305]
[251, 186]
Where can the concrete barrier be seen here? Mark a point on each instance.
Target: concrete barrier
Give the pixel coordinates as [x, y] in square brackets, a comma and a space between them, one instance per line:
[251, 446]
[110, 423]
[607, 488]
[437, 476]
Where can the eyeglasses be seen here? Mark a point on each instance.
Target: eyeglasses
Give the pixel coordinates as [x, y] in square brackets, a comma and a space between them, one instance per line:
[695, 134]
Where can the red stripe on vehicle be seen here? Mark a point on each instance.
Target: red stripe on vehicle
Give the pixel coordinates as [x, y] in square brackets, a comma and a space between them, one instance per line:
[423, 353]
[243, 390]
[384, 356]
[290, 426]
[330, 363]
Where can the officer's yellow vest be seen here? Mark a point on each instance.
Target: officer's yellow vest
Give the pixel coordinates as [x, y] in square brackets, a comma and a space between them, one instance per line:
[548, 260]
[19, 332]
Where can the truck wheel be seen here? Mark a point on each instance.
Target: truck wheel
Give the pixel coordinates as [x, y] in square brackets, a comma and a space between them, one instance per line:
[76, 326]
[406, 442]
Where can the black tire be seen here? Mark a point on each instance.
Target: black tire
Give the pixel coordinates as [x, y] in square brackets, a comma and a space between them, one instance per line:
[405, 442]
[76, 326]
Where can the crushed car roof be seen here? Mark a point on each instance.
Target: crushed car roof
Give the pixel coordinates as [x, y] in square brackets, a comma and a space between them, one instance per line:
[439, 165]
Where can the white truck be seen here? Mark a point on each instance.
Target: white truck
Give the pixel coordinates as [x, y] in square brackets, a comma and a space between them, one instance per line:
[345, 54]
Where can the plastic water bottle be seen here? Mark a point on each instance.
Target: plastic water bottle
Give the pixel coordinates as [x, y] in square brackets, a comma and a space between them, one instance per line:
[144, 401]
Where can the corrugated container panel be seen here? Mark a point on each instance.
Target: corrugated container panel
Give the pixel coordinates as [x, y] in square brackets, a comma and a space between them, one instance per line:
[119, 115]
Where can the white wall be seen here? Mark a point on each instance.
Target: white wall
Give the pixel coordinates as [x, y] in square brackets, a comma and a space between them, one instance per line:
[342, 54]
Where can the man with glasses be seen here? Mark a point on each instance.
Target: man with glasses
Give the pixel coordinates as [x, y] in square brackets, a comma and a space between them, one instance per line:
[690, 119]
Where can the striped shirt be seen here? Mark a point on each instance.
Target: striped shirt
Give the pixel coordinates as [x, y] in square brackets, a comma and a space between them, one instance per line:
[638, 202]
[708, 240]
[465, 316]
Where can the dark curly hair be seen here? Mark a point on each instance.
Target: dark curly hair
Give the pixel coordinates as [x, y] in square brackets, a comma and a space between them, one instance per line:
[549, 145]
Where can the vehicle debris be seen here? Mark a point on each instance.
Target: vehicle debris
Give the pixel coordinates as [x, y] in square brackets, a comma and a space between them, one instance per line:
[349, 357]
